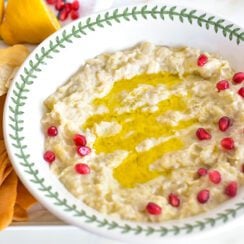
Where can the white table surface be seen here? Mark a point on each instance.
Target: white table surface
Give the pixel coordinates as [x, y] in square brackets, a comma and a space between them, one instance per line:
[59, 233]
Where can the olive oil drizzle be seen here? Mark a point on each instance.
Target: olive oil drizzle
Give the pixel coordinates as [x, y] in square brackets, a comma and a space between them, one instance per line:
[138, 125]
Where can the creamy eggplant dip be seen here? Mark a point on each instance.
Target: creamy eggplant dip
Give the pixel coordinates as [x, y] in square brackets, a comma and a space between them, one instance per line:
[151, 133]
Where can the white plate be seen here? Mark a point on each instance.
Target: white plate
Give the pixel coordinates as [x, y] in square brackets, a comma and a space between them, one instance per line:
[61, 55]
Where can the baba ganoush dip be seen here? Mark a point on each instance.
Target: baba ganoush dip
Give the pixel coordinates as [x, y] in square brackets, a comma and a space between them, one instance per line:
[151, 133]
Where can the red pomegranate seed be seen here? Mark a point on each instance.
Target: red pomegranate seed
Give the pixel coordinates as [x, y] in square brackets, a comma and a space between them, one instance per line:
[63, 15]
[153, 208]
[82, 169]
[202, 60]
[202, 171]
[174, 200]
[79, 140]
[222, 85]
[59, 5]
[238, 77]
[214, 176]
[224, 123]
[51, 2]
[241, 91]
[75, 5]
[202, 134]
[49, 156]
[228, 143]
[52, 131]
[203, 196]
[231, 189]
[74, 14]
[83, 150]
[68, 7]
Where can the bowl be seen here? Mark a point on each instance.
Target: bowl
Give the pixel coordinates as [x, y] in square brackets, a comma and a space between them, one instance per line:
[58, 57]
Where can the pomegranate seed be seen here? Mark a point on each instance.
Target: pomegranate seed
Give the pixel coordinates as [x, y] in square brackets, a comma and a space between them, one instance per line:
[174, 200]
[224, 123]
[52, 131]
[153, 208]
[49, 156]
[83, 150]
[75, 5]
[241, 92]
[231, 189]
[228, 143]
[202, 60]
[79, 140]
[63, 15]
[74, 14]
[68, 7]
[202, 171]
[222, 85]
[214, 176]
[59, 5]
[51, 2]
[82, 169]
[238, 77]
[202, 134]
[203, 196]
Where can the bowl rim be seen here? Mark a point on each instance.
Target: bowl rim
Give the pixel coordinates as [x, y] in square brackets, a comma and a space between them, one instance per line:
[28, 72]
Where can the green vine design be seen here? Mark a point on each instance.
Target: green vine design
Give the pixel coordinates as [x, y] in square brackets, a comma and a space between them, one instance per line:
[80, 29]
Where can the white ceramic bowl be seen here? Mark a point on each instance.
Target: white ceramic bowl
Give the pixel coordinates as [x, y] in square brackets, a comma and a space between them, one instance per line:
[61, 55]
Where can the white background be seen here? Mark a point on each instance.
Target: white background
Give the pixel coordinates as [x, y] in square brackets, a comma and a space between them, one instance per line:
[38, 232]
